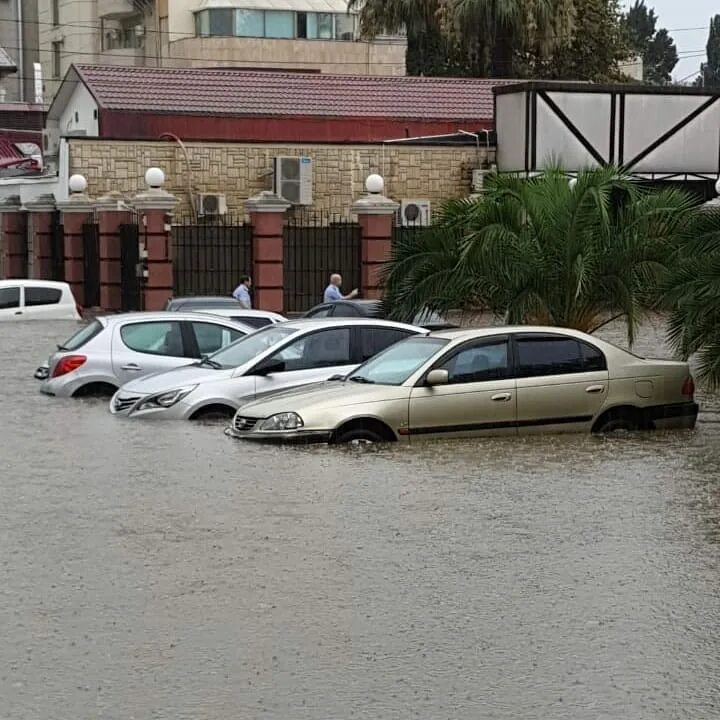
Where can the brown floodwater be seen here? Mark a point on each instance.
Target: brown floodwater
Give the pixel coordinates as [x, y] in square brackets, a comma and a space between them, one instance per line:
[165, 571]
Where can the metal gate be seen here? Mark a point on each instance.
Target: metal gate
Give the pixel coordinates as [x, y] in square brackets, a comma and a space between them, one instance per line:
[314, 248]
[130, 295]
[57, 248]
[91, 264]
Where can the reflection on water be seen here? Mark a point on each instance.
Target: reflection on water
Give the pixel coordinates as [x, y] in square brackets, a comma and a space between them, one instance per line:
[170, 572]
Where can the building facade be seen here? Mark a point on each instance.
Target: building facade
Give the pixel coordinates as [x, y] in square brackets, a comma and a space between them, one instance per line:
[18, 50]
[292, 35]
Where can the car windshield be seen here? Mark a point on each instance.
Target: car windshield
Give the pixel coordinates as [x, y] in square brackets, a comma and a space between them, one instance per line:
[245, 349]
[396, 364]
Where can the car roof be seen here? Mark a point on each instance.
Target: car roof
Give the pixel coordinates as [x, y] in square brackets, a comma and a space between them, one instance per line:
[315, 323]
[34, 283]
[221, 311]
[169, 315]
[202, 298]
[470, 333]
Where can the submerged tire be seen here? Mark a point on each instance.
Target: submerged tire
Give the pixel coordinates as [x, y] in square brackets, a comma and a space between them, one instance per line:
[357, 435]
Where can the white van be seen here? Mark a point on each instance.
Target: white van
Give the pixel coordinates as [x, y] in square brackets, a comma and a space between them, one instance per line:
[37, 300]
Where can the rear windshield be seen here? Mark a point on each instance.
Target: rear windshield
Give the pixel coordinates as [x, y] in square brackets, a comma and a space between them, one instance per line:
[83, 336]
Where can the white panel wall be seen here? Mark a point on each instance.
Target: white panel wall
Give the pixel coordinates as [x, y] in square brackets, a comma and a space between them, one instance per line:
[589, 113]
[510, 128]
[79, 113]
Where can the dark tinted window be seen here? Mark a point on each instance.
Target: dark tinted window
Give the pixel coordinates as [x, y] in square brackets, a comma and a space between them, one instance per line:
[322, 349]
[9, 297]
[593, 359]
[346, 310]
[154, 338]
[42, 296]
[256, 322]
[548, 356]
[322, 311]
[477, 363]
[83, 336]
[375, 340]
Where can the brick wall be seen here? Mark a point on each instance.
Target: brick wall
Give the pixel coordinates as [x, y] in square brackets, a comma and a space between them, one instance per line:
[241, 170]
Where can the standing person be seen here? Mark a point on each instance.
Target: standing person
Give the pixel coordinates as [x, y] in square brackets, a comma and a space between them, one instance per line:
[242, 292]
[332, 291]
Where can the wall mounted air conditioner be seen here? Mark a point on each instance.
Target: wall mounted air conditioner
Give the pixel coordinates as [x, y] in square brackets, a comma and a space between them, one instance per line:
[478, 179]
[292, 179]
[210, 204]
[414, 213]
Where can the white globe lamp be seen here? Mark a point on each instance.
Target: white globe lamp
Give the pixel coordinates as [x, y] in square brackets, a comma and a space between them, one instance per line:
[717, 186]
[155, 177]
[374, 184]
[77, 184]
[572, 183]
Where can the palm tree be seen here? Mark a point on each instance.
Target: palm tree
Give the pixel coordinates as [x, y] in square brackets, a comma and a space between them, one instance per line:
[692, 298]
[543, 251]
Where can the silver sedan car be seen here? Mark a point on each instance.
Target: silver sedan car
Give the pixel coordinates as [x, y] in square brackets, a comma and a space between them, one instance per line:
[115, 349]
[277, 357]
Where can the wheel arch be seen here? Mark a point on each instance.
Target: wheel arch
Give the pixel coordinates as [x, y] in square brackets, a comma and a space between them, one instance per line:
[622, 411]
[368, 422]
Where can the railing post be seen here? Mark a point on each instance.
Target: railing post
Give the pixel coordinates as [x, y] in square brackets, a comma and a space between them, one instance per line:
[267, 215]
[13, 239]
[375, 215]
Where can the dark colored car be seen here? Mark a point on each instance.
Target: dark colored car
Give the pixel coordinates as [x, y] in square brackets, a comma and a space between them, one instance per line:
[374, 309]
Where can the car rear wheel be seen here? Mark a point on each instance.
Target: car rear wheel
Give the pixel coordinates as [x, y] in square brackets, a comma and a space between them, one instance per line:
[95, 390]
[625, 421]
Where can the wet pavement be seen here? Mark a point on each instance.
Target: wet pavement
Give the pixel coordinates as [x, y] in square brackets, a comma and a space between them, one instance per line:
[170, 572]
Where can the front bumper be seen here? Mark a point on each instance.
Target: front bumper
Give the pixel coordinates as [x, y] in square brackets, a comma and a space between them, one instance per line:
[290, 437]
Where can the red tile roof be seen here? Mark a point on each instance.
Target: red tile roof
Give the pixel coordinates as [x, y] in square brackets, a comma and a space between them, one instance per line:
[236, 93]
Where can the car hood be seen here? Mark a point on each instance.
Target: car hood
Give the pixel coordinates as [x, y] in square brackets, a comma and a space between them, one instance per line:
[175, 378]
[326, 394]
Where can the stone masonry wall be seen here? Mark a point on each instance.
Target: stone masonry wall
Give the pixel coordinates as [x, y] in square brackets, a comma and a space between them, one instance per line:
[241, 170]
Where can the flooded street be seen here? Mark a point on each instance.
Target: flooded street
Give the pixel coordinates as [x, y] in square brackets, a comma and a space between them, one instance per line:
[165, 571]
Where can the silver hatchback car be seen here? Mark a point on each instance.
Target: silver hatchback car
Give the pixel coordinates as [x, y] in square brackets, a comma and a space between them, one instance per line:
[115, 349]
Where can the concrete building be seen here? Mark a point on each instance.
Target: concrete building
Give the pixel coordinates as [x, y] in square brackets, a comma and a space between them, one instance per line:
[18, 50]
[291, 35]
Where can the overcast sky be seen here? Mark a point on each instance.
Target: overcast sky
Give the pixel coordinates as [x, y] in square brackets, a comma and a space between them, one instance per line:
[676, 16]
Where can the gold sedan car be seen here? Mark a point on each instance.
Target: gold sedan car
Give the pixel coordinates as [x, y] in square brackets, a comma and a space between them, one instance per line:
[482, 382]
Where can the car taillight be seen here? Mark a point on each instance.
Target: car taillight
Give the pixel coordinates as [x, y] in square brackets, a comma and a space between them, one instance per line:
[68, 364]
[688, 388]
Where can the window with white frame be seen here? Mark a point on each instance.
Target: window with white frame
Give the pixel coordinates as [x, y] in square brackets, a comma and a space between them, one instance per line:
[229, 22]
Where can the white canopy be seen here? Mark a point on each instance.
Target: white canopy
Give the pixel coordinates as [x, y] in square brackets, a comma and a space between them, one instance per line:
[318, 6]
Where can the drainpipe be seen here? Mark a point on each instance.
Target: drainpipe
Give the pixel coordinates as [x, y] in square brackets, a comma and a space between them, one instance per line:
[20, 50]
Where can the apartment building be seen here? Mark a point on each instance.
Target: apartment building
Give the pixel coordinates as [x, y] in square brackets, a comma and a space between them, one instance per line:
[18, 50]
[298, 35]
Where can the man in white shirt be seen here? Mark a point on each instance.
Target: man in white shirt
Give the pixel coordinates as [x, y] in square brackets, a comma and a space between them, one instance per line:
[332, 291]
[242, 292]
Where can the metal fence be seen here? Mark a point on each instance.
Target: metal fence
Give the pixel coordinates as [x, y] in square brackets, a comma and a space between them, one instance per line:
[91, 264]
[130, 283]
[315, 246]
[211, 256]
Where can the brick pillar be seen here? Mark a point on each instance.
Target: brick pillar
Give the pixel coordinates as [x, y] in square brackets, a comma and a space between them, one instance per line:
[76, 211]
[267, 215]
[40, 232]
[375, 215]
[109, 219]
[155, 207]
[13, 238]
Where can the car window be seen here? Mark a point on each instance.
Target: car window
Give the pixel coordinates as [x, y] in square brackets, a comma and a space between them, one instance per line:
[323, 311]
[322, 349]
[83, 336]
[211, 337]
[545, 355]
[593, 359]
[253, 321]
[485, 361]
[346, 310]
[250, 346]
[9, 297]
[394, 365]
[42, 296]
[154, 338]
[375, 340]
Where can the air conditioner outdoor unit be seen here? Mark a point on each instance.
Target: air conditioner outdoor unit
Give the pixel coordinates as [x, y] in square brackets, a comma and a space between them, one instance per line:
[50, 143]
[292, 179]
[211, 204]
[414, 213]
[478, 179]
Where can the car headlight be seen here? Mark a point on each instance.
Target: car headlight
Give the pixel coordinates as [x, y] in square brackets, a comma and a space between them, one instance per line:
[281, 421]
[166, 399]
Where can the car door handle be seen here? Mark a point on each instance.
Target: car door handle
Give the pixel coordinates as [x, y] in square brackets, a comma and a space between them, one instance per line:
[19, 312]
[595, 389]
[501, 397]
[131, 366]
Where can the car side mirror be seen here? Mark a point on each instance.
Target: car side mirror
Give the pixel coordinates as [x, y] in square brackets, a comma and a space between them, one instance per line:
[268, 367]
[437, 377]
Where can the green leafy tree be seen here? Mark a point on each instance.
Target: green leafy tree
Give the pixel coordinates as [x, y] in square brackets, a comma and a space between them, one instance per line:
[656, 48]
[541, 251]
[710, 70]
[692, 298]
